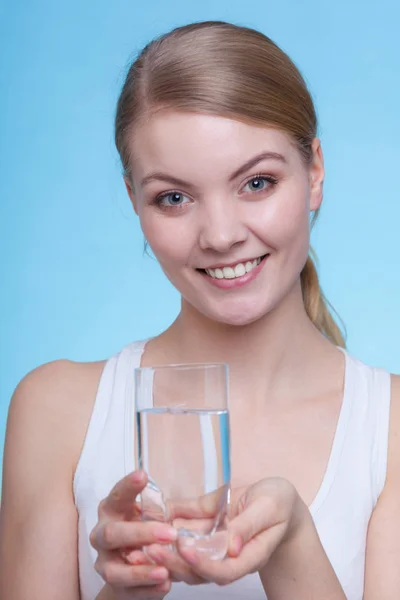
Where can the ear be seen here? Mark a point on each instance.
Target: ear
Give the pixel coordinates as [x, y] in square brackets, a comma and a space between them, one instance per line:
[131, 193]
[317, 175]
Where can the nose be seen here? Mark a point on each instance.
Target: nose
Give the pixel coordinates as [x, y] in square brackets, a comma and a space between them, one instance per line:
[221, 226]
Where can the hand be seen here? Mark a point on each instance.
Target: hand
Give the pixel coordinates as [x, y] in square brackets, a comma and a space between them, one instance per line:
[265, 517]
[119, 537]
[202, 508]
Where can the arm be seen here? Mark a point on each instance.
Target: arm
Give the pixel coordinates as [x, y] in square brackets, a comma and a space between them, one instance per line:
[382, 578]
[272, 533]
[301, 569]
[38, 520]
[311, 575]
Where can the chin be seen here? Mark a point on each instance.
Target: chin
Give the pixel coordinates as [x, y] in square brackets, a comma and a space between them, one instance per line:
[239, 317]
[238, 321]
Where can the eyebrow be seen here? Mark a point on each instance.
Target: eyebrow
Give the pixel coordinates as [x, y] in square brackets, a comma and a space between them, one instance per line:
[158, 176]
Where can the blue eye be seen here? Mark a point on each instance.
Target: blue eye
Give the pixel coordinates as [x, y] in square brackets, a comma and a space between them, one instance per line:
[258, 183]
[171, 199]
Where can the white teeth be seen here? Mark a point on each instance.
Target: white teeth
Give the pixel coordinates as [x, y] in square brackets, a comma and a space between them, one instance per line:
[231, 272]
[228, 272]
[240, 270]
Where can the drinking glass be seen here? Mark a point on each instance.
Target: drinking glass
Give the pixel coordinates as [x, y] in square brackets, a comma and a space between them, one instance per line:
[182, 443]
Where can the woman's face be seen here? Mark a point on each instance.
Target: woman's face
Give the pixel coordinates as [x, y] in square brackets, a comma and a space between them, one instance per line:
[225, 207]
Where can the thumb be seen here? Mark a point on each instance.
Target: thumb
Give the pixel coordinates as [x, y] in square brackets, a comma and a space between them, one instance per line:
[122, 497]
[258, 516]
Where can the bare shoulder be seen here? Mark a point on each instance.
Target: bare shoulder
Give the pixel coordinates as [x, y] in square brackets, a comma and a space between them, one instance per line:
[382, 575]
[60, 380]
[56, 399]
[392, 484]
[46, 427]
[394, 433]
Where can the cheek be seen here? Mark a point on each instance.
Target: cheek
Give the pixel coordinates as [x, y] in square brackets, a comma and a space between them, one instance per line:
[284, 222]
[168, 237]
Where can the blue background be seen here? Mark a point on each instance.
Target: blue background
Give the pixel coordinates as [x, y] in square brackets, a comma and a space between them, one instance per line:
[75, 282]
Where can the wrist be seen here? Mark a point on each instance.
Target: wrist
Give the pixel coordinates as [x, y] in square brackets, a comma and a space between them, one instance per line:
[299, 526]
[299, 568]
[300, 535]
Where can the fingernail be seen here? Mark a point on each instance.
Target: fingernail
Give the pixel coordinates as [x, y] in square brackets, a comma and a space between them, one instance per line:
[134, 557]
[137, 476]
[155, 555]
[235, 546]
[159, 574]
[190, 556]
[166, 534]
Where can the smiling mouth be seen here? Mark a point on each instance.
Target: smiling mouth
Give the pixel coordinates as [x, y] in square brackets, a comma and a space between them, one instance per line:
[235, 271]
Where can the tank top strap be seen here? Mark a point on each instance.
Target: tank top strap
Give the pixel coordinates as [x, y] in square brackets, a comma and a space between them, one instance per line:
[116, 378]
[360, 442]
[96, 424]
[381, 402]
[370, 419]
[126, 395]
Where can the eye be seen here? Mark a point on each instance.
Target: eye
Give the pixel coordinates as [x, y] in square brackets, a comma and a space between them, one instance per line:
[259, 183]
[170, 199]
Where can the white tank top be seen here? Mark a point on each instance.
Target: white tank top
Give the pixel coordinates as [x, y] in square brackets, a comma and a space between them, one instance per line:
[353, 480]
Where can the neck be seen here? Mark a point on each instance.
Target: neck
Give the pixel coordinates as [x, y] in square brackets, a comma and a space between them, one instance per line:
[277, 348]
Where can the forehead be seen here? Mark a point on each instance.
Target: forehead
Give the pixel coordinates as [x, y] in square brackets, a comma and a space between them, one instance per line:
[172, 140]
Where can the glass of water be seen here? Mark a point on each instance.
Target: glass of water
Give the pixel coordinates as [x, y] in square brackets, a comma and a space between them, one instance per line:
[182, 443]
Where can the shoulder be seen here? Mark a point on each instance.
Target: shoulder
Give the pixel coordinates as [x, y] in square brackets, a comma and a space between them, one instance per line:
[393, 471]
[383, 550]
[59, 386]
[53, 404]
[395, 385]
[391, 487]
[48, 417]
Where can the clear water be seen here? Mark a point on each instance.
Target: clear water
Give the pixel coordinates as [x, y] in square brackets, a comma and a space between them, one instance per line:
[185, 453]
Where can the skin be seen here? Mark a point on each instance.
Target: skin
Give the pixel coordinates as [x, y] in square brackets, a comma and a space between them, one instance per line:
[290, 371]
[289, 366]
[288, 378]
[221, 221]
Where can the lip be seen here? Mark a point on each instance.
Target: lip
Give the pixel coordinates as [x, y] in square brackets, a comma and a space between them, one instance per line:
[228, 284]
[232, 264]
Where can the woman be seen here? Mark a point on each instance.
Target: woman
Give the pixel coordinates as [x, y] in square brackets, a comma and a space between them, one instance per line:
[217, 135]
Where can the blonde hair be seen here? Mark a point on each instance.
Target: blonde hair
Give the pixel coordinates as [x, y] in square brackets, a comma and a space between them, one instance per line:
[222, 69]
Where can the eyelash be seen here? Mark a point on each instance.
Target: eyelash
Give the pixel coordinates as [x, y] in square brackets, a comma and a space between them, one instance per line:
[273, 181]
[270, 178]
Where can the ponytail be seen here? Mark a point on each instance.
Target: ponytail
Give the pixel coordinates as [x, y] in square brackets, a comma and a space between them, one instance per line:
[317, 307]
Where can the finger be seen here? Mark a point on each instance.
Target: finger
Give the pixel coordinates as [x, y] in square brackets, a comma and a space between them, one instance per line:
[163, 588]
[114, 535]
[200, 526]
[196, 508]
[117, 573]
[121, 499]
[135, 557]
[257, 517]
[178, 569]
[223, 572]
